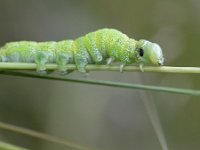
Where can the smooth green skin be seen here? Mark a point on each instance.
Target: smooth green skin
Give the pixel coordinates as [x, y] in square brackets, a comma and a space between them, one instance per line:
[93, 48]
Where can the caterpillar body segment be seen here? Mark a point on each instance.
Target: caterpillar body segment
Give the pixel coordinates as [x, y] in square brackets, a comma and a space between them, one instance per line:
[99, 47]
[64, 55]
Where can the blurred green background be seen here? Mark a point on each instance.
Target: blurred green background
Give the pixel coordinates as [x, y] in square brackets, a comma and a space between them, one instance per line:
[104, 117]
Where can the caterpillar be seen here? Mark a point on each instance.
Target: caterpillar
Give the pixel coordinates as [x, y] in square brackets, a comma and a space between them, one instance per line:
[103, 46]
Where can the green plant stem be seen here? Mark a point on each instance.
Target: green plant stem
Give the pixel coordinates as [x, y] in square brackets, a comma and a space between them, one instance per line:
[166, 69]
[107, 83]
[42, 136]
[7, 146]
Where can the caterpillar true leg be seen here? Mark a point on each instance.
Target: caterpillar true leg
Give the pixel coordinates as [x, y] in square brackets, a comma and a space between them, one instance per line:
[109, 61]
[141, 67]
[121, 67]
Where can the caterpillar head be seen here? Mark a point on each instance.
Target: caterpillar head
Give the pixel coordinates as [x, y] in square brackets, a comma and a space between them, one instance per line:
[149, 53]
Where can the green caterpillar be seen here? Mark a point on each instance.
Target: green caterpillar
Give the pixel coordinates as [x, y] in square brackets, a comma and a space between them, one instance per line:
[103, 46]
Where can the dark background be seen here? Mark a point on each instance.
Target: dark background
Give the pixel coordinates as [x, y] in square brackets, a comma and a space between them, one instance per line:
[105, 117]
